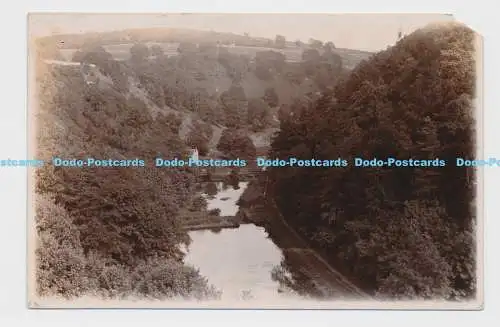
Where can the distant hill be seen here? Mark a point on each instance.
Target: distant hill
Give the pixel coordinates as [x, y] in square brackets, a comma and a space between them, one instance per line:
[121, 41]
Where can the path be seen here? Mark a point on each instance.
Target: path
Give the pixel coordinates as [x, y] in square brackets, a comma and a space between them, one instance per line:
[328, 280]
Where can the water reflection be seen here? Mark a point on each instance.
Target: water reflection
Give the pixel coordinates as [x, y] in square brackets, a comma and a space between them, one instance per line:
[225, 198]
[244, 263]
[237, 261]
[294, 278]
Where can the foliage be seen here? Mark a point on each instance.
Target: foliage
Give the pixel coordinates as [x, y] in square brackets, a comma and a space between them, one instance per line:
[236, 65]
[324, 69]
[214, 212]
[199, 137]
[198, 203]
[236, 144]
[233, 179]
[328, 46]
[187, 48]
[211, 189]
[271, 97]
[268, 63]
[311, 55]
[235, 106]
[101, 229]
[63, 269]
[156, 50]
[280, 41]
[315, 44]
[99, 57]
[398, 232]
[259, 114]
[139, 52]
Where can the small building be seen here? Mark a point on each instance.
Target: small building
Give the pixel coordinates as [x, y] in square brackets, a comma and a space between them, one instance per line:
[194, 154]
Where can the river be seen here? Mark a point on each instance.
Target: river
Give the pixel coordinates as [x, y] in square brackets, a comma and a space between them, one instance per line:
[238, 261]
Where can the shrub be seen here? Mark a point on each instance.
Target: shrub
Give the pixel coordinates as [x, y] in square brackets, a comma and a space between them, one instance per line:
[271, 97]
[236, 144]
[214, 212]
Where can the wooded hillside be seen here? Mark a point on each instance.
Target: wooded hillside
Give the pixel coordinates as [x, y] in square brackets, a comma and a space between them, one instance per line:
[399, 232]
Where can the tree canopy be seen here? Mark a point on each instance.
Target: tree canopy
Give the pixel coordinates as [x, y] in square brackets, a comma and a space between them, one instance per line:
[399, 232]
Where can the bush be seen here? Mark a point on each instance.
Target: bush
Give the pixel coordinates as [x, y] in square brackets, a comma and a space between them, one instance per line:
[195, 140]
[236, 144]
[271, 97]
[234, 105]
[311, 55]
[139, 52]
[259, 115]
[157, 50]
[263, 72]
[214, 212]
[198, 204]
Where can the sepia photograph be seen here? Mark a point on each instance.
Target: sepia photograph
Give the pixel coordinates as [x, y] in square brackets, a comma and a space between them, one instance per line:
[257, 161]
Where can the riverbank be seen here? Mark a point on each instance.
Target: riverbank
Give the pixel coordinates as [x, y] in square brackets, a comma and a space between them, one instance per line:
[220, 211]
[326, 281]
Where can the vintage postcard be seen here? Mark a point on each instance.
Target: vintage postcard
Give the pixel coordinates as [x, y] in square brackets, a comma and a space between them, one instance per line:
[266, 161]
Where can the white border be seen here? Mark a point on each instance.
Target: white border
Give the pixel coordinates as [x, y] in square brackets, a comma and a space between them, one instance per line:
[13, 181]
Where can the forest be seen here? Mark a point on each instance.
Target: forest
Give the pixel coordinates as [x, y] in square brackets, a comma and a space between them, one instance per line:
[109, 232]
[399, 233]
[404, 233]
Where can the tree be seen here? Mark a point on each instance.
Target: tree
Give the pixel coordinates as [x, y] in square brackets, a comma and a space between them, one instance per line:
[236, 144]
[233, 179]
[187, 48]
[315, 44]
[96, 55]
[110, 232]
[268, 62]
[199, 136]
[271, 97]
[139, 52]
[237, 92]
[157, 50]
[211, 189]
[280, 41]
[398, 233]
[198, 141]
[329, 46]
[311, 55]
[258, 114]
[209, 50]
[235, 105]
[334, 60]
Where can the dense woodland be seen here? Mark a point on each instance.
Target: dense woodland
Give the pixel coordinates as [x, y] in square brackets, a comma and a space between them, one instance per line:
[109, 231]
[117, 232]
[397, 232]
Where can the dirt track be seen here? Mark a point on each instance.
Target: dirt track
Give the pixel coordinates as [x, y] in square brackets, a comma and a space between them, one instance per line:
[326, 280]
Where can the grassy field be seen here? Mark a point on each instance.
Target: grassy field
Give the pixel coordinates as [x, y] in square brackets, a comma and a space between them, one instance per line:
[122, 52]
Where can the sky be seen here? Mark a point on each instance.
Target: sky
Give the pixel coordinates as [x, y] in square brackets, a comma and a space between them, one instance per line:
[370, 32]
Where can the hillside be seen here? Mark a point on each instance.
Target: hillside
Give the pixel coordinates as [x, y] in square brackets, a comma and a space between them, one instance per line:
[195, 82]
[401, 232]
[117, 232]
[110, 232]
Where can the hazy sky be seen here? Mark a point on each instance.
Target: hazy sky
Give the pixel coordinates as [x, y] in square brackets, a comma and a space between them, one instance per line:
[369, 32]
